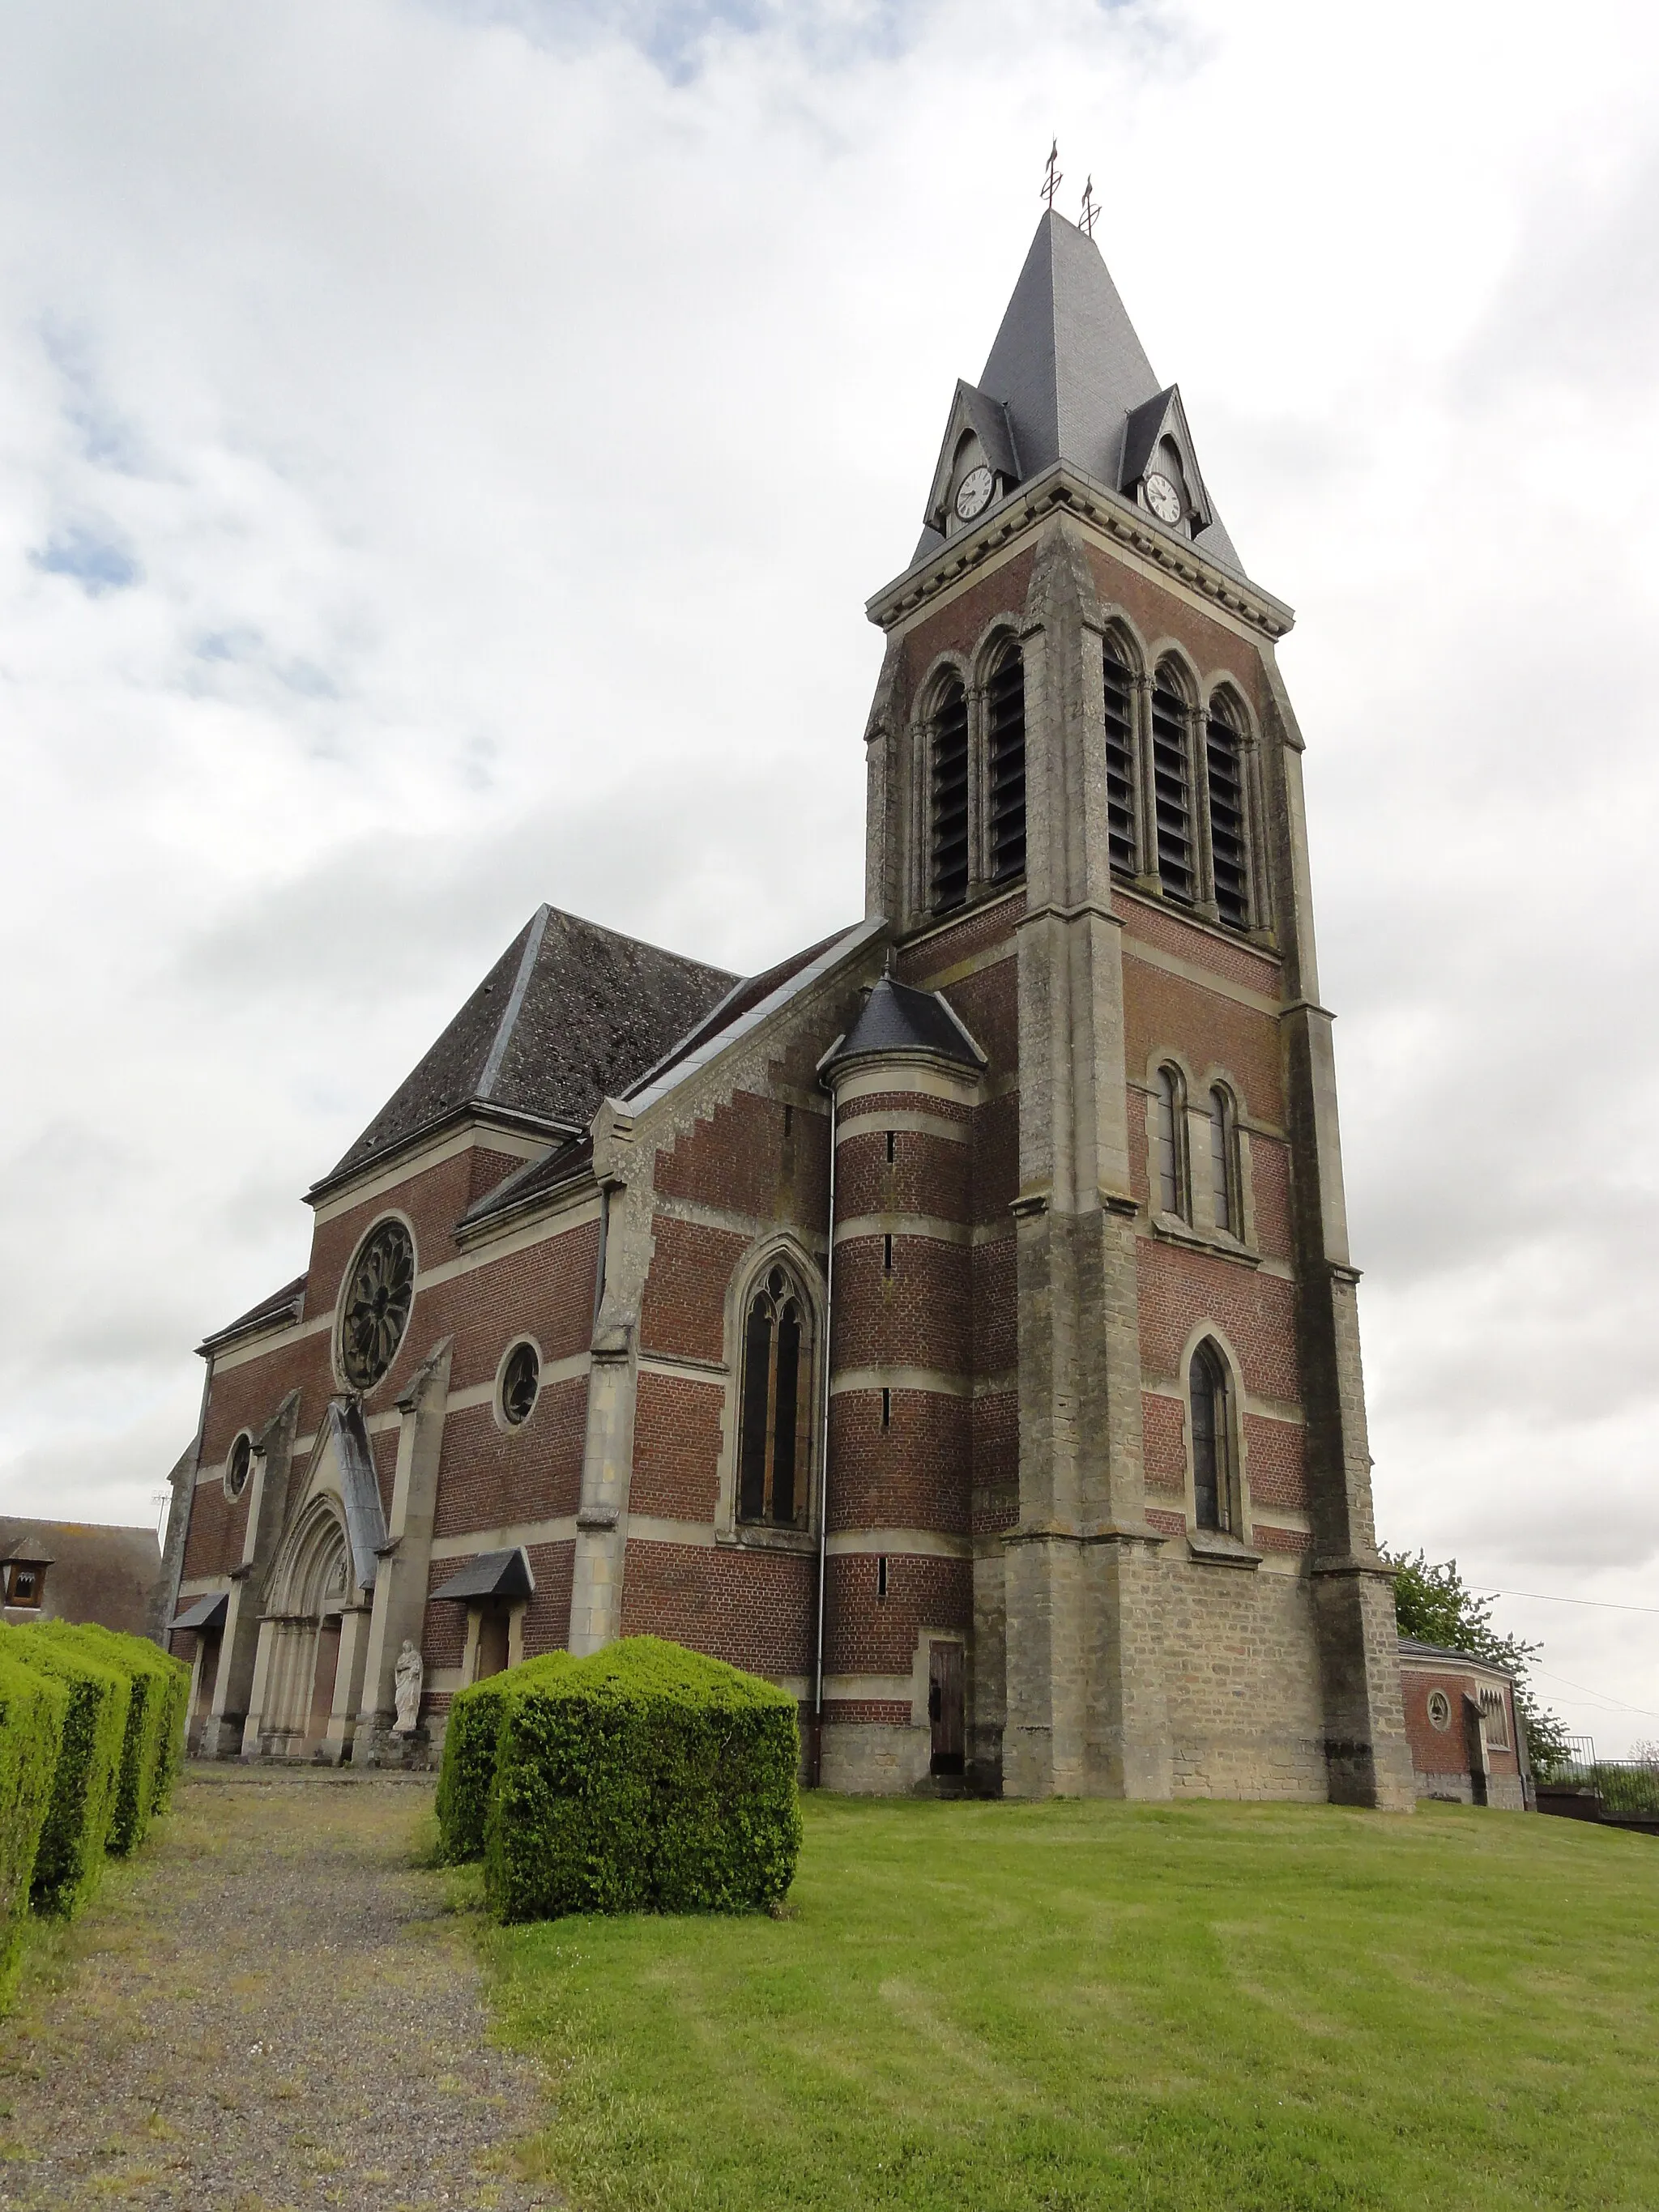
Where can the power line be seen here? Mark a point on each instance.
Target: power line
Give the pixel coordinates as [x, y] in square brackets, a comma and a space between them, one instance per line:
[1607, 1604]
[1607, 1703]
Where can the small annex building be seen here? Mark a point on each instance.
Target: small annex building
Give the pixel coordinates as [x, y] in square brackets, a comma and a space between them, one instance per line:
[1468, 1743]
[954, 1323]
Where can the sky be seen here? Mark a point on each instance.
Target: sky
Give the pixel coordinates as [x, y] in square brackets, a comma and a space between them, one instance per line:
[444, 450]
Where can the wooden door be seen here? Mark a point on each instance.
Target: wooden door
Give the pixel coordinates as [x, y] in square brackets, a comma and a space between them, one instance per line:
[492, 1641]
[944, 1706]
[323, 1677]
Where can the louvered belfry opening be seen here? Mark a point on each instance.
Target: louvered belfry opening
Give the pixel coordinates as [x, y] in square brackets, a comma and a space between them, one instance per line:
[1172, 790]
[1223, 758]
[1121, 765]
[1004, 699]
[948, 797]
[771, 1450]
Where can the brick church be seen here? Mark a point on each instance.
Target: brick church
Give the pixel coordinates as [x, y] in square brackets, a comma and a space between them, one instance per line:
[954, 1323]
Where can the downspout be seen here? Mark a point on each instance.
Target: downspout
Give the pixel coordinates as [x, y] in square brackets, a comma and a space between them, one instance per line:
[824, 1449]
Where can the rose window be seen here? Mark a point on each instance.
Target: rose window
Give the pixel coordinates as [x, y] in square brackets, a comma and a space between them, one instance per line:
[380, 1292]
[520, 1379]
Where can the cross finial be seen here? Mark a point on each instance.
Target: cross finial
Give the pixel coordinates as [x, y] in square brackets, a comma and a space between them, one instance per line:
[1051, 175]
[1086, 221]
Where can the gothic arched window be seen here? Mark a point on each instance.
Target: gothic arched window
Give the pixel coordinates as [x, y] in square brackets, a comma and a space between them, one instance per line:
[1211, 1440]
[1004, 706]
[1172, 788]
[1120, 807]
[1224, 756]
[1169, 1107]
[1224, 1162]
[947, 746]
[774, 1432]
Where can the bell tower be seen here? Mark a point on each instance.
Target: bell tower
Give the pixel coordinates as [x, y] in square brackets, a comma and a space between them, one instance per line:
[1086, 832]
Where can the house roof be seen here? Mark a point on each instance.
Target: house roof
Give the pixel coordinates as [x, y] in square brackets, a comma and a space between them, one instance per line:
[1470, 1661]
[282, 1305]
[571, 1013]
[95, 1571]
[1068, 370]
[896, 1018]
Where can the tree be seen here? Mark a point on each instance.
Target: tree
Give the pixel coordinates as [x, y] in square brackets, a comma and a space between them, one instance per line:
[1433, 1604]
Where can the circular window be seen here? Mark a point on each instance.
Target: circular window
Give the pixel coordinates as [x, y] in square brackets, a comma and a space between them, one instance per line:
[379, 1292]
[521, 1378]
[239, 1466]
[1439, 1708]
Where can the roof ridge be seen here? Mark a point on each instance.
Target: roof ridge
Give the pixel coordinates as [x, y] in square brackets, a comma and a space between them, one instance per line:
[515, 997]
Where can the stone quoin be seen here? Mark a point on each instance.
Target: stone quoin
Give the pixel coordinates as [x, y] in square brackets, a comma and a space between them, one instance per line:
[954, 1323]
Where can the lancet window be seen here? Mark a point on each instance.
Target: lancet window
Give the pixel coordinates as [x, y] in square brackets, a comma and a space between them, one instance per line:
[1172, 789]
[1005, 703]
[774, 1445]
[1224, 1162]
[1170, 1106]
[975, 764]
[1229, 856]
[1211, 1440]
[948, 796]
[1121, 809]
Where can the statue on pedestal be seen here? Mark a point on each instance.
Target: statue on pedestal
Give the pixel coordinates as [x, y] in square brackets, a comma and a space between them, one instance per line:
[406, 1689]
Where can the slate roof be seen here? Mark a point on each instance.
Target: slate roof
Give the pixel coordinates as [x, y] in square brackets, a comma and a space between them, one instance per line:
[1068, 370]
[571, 1013]
[896, 1018]
[1411, 1649]
[284, 1304]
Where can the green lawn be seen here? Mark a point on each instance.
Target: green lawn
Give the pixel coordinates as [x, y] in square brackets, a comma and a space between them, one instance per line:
[991, 2007]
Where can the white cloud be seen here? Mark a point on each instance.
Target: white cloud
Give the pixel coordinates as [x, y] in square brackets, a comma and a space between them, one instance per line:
[444, 450]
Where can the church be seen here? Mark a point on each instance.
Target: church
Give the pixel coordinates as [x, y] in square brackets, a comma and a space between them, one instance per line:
[954, 1323]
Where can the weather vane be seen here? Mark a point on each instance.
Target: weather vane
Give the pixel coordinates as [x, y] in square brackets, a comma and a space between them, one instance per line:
[1086, 221]
[1051, 176]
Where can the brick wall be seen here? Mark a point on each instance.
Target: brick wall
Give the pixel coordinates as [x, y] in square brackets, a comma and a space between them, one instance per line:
[1165, 1013]
[927, 1174]
[753, 1156]
[996, 1461]
[865, 1634]
[915, 1473]
[919, 1315]
[751, 1607]
[677, 1447]
[1179, 1288]
[493, 1478]
[1163, 1442]
[1277, 1461]
[684, 1310]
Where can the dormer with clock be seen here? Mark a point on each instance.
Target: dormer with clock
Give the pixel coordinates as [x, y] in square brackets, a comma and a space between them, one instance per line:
[977, 463]
[1159, 470]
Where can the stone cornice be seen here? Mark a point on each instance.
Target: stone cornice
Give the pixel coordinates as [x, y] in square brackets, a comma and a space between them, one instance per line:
[1060, 488]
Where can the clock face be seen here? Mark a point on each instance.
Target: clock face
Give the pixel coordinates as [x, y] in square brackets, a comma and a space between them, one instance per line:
[974, 492]
[1163, 497]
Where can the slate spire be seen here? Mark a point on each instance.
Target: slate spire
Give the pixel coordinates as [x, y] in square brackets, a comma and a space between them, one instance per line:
[1069, 381]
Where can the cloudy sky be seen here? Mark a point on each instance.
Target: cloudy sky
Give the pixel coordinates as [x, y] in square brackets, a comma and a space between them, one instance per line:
[444, 452]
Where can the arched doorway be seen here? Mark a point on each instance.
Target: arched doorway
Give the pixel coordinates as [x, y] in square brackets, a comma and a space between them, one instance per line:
[311, 1592]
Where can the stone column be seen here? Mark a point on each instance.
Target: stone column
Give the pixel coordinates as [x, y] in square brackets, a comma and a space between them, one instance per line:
[1084, 1686]
[596, 1593]
[237, 1696]
[1368, 1759]
[403, 1574]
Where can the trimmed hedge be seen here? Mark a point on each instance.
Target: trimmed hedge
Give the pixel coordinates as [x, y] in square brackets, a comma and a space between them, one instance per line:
[33, 1710]
[153, 1748]
[468, 1771]
[71, 1857]
[645, 1778]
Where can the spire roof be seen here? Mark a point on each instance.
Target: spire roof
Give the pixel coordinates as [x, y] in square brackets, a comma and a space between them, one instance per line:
[1067, 373]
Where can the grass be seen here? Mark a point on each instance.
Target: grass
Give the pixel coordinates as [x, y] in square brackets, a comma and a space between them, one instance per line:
[1040, 2009]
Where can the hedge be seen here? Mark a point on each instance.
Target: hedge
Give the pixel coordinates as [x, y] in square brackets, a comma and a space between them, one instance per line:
[153, 1747]
[32, 1710]
[71, 1857]
[645, 1778]
[469, 1762]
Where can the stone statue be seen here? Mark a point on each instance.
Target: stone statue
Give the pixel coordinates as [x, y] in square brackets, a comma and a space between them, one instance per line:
[407, 1688]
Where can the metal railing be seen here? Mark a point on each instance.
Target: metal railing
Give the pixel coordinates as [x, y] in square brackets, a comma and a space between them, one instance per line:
[1624, 1785]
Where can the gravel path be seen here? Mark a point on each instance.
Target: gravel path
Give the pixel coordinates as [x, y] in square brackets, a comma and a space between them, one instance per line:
[272, 2009]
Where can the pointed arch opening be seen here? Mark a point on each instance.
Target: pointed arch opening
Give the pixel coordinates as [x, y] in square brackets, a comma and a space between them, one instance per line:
[947, 780]
[1170, 1148]
[1223, 760]
[1122, 812]
[1224, 1206]
[775, 1400]
[1005, 709]
[1212, 1432]
[1172, 789]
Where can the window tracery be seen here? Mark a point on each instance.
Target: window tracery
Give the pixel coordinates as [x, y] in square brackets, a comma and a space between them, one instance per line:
[774, 1444]
[379, 1293]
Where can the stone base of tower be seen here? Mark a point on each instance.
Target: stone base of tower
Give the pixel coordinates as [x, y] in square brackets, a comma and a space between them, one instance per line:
[1368, 1755]
[865, 1758]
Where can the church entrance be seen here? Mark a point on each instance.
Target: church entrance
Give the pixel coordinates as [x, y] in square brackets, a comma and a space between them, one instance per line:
[301, 1636]
[325, 1673]
[492, 1640]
